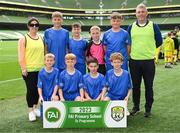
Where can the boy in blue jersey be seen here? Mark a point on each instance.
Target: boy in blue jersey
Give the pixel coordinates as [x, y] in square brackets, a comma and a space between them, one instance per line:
[48, 81]
[77, 46]
[94, 82]
[118, 80]
[56, 40]
[70, 81]
[116, 39]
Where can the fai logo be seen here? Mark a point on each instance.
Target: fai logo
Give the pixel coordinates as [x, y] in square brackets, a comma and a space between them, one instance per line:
[117, 113]
[52, 114]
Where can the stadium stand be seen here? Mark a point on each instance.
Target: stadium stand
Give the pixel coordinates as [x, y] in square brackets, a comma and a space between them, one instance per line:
[43, 20]
[15, 13]
[13, 34]
[94, 4]
[22, 19]
[7, 34]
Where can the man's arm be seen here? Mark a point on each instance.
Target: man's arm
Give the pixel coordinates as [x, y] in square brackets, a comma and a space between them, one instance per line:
[129, 29]
[157, 35]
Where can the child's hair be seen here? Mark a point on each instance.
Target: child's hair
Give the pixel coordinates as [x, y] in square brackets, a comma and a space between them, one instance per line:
[169, 34]
[116, 15]
[49, 55]
[116, 56]
[76, 25]
[95, 27]
[57, 14]
[174, 33]
[92, 60]
[70, 56]
[91, 40]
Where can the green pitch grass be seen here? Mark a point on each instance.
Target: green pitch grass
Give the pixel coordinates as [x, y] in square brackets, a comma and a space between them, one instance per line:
[13, 108]
[9, 71]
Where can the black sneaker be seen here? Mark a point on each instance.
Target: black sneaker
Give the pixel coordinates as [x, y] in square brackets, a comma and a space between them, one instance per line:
[147, 114]
[134, 111]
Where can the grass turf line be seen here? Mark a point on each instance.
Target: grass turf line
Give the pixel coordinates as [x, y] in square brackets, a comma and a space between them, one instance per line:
[165, 111]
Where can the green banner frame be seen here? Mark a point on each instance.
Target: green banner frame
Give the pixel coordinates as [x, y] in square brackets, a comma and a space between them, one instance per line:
[90, 114]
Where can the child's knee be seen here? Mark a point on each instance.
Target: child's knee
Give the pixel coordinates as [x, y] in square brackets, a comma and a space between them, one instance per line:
[56, 98]
[106, 99]
[78, 98]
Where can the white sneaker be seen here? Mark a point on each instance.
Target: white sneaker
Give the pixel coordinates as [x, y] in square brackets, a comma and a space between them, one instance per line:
[32, 116]
[127, 112]
[37, 112]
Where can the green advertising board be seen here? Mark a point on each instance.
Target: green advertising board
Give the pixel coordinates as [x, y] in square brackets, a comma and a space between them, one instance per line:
[92, 114]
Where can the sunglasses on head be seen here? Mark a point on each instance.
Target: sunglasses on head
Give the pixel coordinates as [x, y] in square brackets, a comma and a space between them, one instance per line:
[32, 25]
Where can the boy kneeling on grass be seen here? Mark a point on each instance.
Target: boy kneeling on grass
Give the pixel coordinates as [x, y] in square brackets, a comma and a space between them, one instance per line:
[94, 82]
[48, 81]
[70, 81]
[118, 81]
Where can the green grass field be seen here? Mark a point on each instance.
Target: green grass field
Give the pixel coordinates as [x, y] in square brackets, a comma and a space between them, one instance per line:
[13, 109]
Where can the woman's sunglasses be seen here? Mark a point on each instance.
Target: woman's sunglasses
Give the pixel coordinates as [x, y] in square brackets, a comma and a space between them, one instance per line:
[32, 25]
